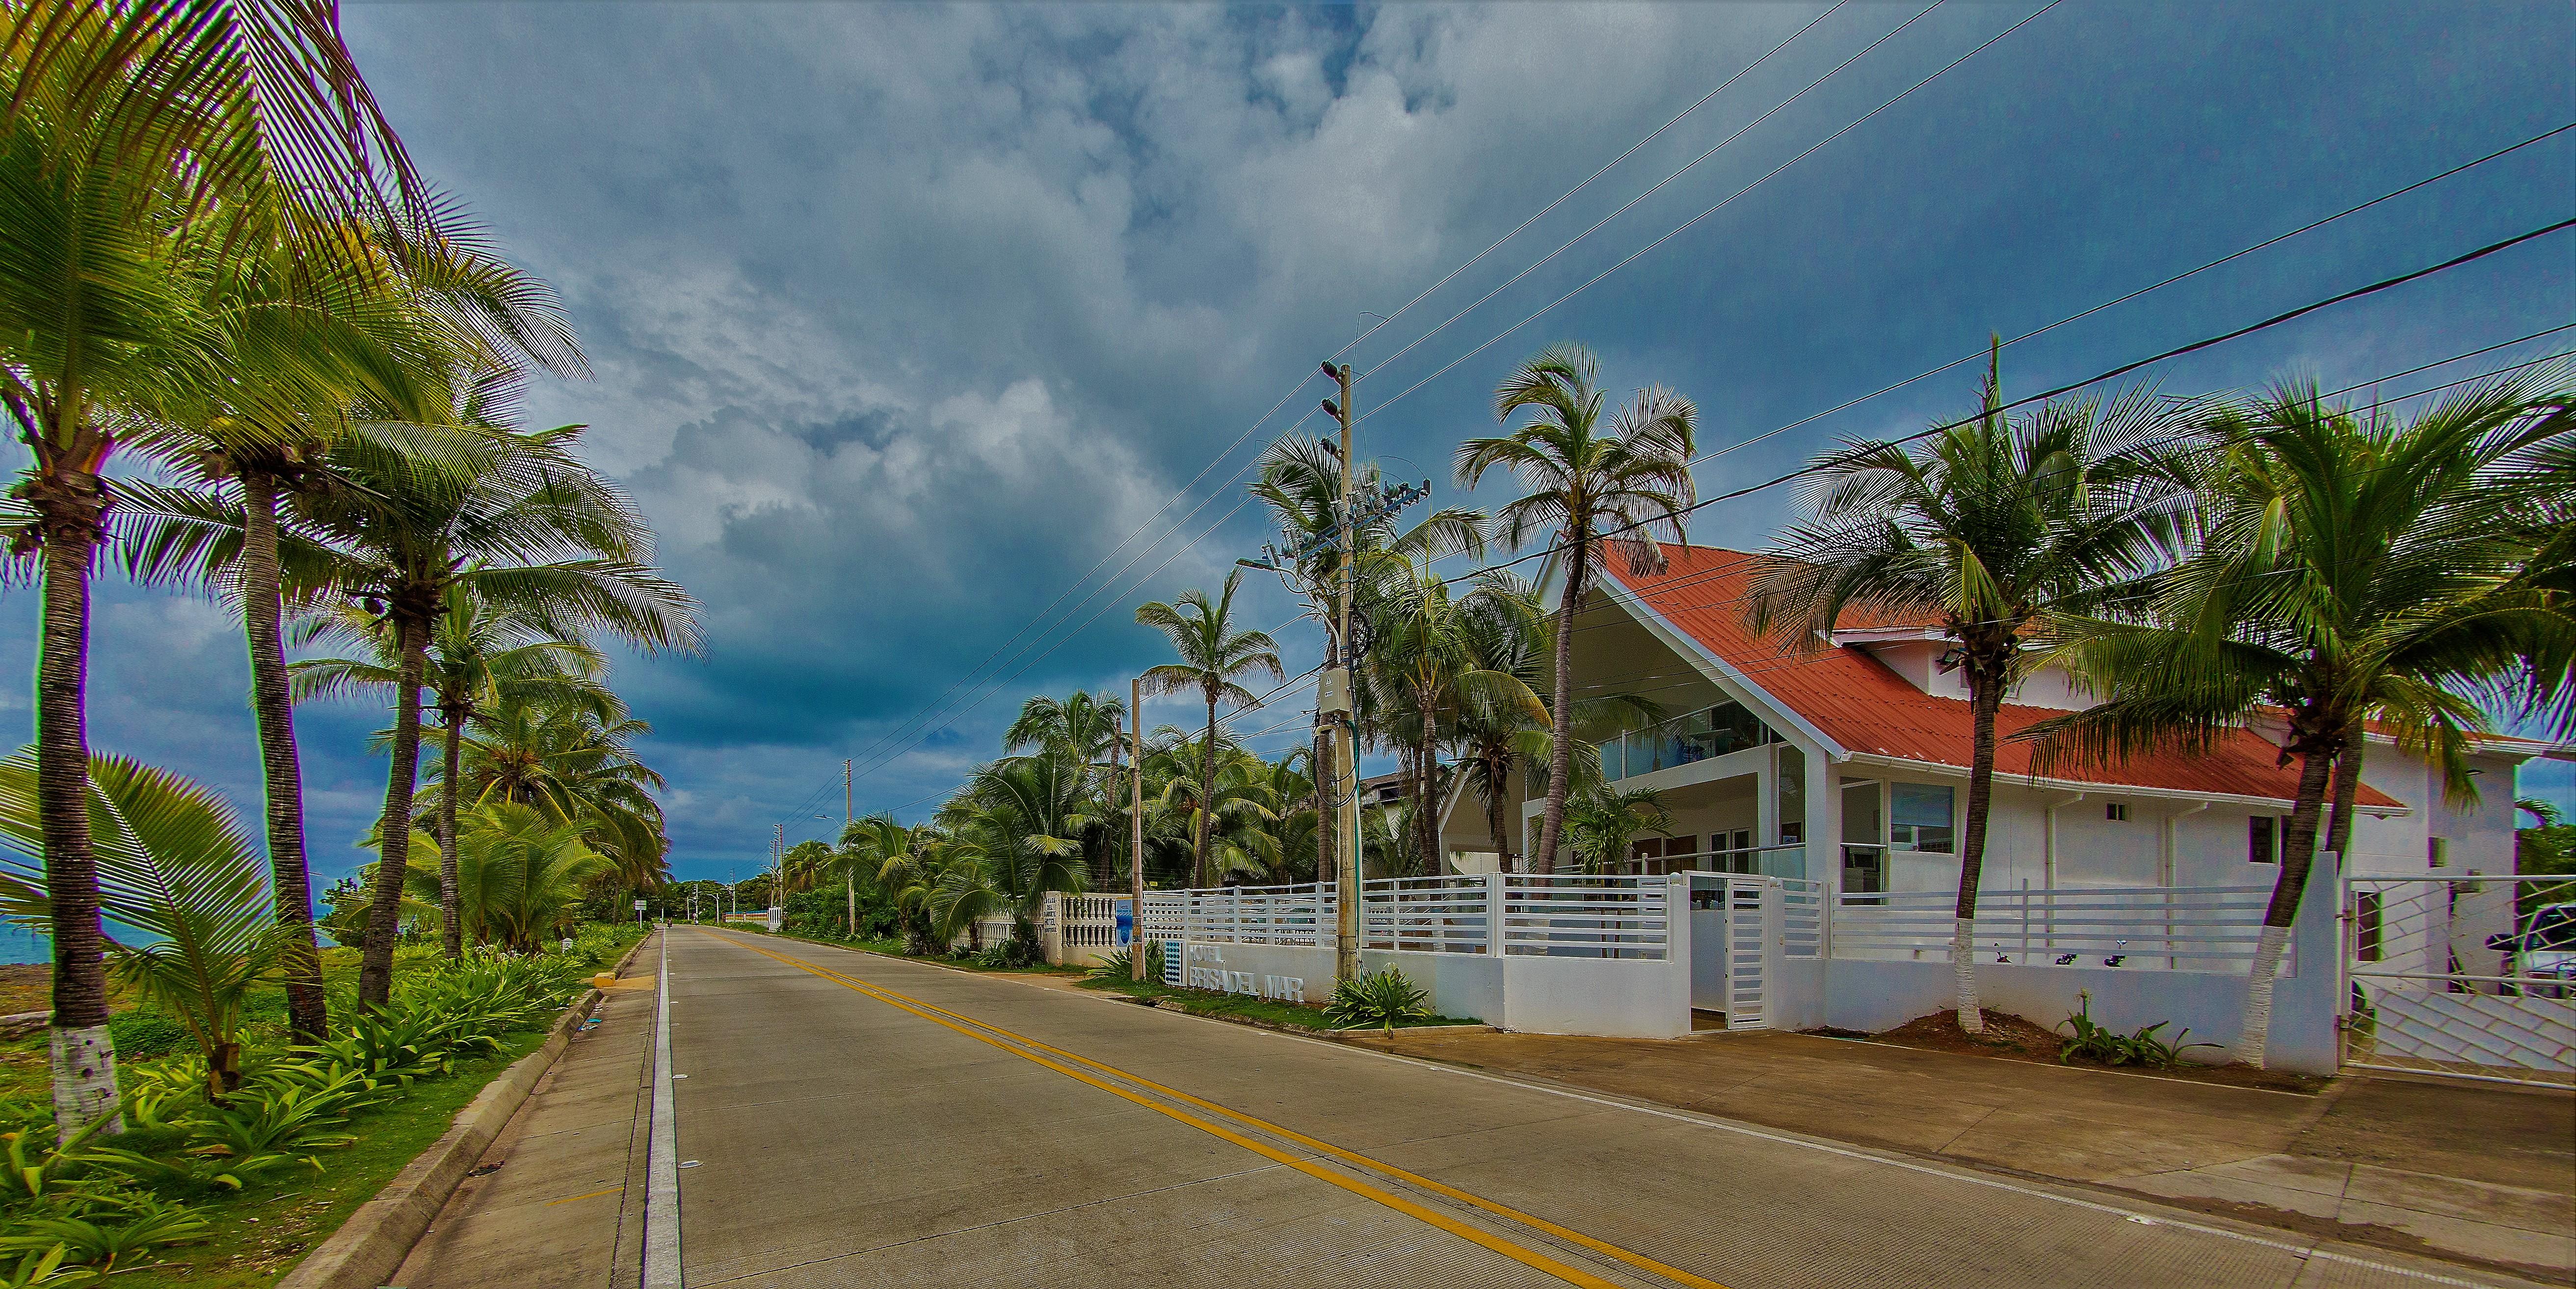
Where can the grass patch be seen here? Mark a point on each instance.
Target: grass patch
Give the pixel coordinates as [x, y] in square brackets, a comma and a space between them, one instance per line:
[1205, 1002]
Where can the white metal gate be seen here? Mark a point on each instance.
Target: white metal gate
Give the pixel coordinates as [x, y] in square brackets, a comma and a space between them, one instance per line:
[1735, 928]
[2470, 976]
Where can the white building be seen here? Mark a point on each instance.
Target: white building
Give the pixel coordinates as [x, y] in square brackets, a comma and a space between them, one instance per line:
[1848, 764]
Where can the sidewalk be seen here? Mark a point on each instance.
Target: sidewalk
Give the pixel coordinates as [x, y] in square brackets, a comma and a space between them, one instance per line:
[558, 1200]
[2479, 1174]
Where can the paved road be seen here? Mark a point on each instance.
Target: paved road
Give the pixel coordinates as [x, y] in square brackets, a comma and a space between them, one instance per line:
[852, 1120]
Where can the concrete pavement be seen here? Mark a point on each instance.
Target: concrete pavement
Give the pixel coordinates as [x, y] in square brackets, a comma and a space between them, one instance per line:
[2479, 1173]
[557, 1199]
[857, 1120]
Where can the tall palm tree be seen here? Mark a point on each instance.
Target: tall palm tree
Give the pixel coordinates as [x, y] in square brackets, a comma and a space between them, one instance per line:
[1301, 484]
[375, 354]
[521, 874]
[1599, 484]
[2351, 570]
[1234, 815]
[866, 846]
[1017, 829]
[1081, 727]
[1213, 654]
[539, 534]
[479, 661]
[137, 142]
[1498, 742]
[1992, 522]
[1428, 654]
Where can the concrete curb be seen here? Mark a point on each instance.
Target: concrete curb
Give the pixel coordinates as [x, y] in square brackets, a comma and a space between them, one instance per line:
[372, 1244]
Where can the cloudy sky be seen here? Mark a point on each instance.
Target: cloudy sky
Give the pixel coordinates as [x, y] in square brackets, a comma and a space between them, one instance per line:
[934, 339]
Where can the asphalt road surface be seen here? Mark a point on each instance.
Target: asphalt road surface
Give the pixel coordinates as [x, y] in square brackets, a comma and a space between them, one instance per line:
[846, 1120]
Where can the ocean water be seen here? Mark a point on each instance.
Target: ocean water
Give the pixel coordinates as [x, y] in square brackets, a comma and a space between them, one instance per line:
[18, 944]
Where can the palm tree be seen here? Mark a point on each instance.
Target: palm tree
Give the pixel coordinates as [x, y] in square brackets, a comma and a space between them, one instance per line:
[1212, 654]
[1081, 727]
[539, 534]
[1301, 483]
[479, 662]
[520, 874]
[175, 866]
[137, 143]
[1233, 816]
[866, 846]
[2350, 571]
[1601, 825]
[347, 346]
[572, 755]
[1599, 486]
[1991, 523]
[1427, 655]
[1016, 835]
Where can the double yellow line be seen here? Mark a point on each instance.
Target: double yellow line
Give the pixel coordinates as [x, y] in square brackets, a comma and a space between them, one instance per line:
[1029, 1049]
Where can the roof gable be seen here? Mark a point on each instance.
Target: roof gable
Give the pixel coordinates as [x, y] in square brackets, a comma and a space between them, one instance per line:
[1858, 703]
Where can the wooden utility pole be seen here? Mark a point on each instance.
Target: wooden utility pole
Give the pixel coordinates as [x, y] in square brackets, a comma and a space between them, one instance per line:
[849, 869]
[1334, 700]
[1136, 832]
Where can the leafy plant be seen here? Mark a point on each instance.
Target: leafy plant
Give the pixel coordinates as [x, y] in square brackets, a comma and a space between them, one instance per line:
[1122, 964]
[105, 1236]
[172, 863]
[1383, 998]
[2098, 1042]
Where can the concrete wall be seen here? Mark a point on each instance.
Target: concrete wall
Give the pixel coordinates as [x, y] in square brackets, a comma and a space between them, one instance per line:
[1872, 996]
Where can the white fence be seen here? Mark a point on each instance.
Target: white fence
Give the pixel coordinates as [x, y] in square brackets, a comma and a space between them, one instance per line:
[1546, 916]
[2179, 928]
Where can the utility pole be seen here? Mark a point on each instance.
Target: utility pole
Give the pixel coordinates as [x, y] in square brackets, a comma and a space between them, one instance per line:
[777, 854]
[1333, 699]
[1136, 832]
[850, 870]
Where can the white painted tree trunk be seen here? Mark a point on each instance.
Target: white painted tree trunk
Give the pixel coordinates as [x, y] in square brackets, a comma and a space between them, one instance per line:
[1963, 962]
[84, 1070]
[2258, 995]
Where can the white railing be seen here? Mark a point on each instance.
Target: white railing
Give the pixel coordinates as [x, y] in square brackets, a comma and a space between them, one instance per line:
[992, 929]
[1427, 914]
[1084, 922]
[1805, 919]
[1611, 917]
[1588, 917]
[2179, 928]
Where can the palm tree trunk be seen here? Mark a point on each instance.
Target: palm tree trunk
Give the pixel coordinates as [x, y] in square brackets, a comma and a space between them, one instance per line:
[384, 912]
[2298, 852]
[1986, 676]
[2347, 791]
[1560, 757]
[1494, 818]
[450, 908]
[83, 1057]
[306, 1011]
[1426, 811]
[1207, 799]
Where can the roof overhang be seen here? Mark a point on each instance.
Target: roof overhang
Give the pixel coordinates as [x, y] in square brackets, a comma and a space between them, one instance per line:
[2103, 789]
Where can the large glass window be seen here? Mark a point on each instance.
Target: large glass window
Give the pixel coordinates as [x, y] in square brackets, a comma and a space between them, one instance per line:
[1684, 739]
[1919, 817]
[1792, 774]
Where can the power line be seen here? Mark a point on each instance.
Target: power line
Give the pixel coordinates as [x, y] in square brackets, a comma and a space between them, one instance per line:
[1686, 225]
[2121, 370]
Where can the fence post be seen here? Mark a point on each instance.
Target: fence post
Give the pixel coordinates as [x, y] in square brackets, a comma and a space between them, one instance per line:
[1051, 942]
[1494, 913]
[1234, 914]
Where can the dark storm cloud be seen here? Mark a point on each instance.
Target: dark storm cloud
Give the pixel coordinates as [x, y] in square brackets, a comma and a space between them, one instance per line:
[904, 317]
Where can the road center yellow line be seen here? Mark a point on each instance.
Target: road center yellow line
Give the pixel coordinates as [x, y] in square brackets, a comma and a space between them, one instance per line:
[1530, 1220]
[1522, 1254]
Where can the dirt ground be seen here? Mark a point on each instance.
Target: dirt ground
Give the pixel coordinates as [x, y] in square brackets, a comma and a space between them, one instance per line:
[2013, 1038]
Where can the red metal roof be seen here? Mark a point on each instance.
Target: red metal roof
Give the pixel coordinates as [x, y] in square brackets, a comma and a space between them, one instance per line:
[1858, 702]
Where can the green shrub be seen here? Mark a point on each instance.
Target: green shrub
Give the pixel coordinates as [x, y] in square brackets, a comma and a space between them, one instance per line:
[1122, 966]
[142, 1036]
[1384, 998]
[1014, 952]
[2098, 1042]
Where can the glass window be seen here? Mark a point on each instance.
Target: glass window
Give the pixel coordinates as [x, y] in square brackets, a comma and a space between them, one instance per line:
[1919, 817]
[1792, 775]
[2258, 839]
